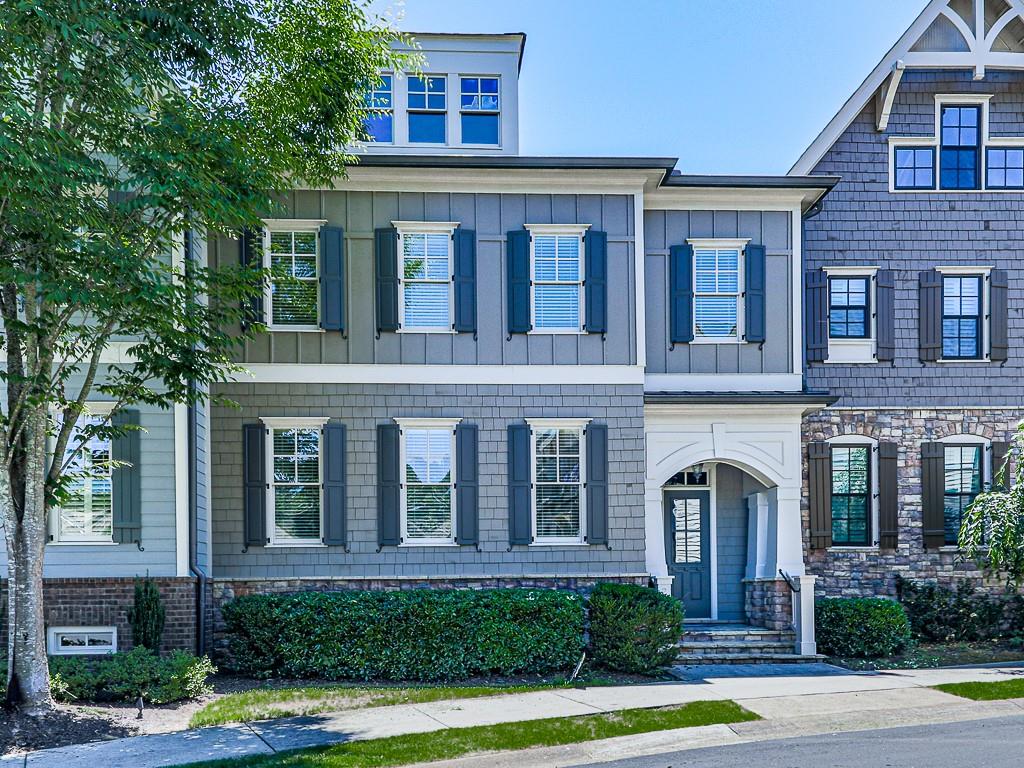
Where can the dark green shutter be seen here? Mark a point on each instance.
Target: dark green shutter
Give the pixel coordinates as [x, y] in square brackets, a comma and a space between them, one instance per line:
[517, 268]
[520, 487]
[464, 276]
[885, 315]
[126, 485]
[389, 485]
[254, 483]
[680, 294]
[332, 279]
[754, 303]
[1000, 475]
[335, 485]
[595, 281]
[251, 257]
[467, 485]
[999, 316]
[386, 264]
[888, 495]
[816, 315]
[929, 316]
[819, 492]
[933, 491]
[597, 483]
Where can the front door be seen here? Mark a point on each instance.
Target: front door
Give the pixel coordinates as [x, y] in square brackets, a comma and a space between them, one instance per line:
[687, 523]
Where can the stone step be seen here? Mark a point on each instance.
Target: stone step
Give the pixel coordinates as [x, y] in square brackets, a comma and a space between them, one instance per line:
[736, 635]
[719, 647]
[698, 659]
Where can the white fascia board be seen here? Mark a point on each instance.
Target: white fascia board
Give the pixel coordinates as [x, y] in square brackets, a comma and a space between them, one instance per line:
[511, 180]
[718, 382]
[349, 373]
[726, 199]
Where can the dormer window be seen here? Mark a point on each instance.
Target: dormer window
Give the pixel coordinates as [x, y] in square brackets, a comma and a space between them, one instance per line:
[427, 106]
[480, 111]
[379, 116]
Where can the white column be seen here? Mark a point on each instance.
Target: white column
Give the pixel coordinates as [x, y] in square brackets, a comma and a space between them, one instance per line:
[654, 535]
[789, 551]
[757, 535]
[803, 616]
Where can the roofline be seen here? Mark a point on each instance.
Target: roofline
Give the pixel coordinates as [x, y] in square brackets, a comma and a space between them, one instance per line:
[520, 35]
[740, 398]
[663, 164]
[751, 182]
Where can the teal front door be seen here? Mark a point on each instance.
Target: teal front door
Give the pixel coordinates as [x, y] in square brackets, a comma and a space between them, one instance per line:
[687, 529]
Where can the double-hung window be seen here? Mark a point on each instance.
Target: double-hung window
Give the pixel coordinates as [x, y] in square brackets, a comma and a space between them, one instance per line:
[1005, 168]
[428, 481]
[557, 271]
[480, 111]
[964, 475]
[426, 290]
[960, 147]
[962, 314]
[849, 310]
[295, 499]
[86, 514]
[378, 114]
[851, 495]
[558, 488]
[293, 293]
[427, 109]
[717, 292]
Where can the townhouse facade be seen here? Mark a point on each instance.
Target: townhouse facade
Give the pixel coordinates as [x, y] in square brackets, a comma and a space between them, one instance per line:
[488, 369]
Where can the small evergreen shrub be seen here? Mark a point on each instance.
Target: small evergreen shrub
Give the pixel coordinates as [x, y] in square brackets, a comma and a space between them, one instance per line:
[421, 634]
[126, 676]
[941, 614]
[860, 627]
[147, 615]
[634, 629]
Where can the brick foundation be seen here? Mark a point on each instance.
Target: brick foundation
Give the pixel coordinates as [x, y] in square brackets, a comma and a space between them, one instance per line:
[769, 603]
[105, 602]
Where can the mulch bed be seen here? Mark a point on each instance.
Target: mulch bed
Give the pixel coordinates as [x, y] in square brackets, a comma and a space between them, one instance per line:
[63, 726]
[931, 655]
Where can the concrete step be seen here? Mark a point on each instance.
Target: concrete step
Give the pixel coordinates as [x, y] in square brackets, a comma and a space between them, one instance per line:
[722, 646]
[697, 659]
[751, 634]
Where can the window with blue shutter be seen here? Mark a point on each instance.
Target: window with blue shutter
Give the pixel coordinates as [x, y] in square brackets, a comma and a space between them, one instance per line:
[517, 268]
[464, 277]
[816, 315]
[335, 485]
[386, 278]
[680, 294]
[126, 485]
[251, 257]
[467, 484]
[389, 485]
[754, 308]
[332, 279]
[519, 485]
[254, 484]
[597, 483]
[595, 283]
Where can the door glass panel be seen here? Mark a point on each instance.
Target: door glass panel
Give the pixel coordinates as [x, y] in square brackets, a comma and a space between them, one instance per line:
[687, 530]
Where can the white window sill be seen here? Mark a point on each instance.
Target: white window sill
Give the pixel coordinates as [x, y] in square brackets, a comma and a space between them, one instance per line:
[295, 329]
[718, 340]
[557, 332]
[851, 351]
[854, 548]
[559, 544]
[969, 361]
[82, 543]
[951, 548]
[295, 545]
[422, 544]
[441, 331]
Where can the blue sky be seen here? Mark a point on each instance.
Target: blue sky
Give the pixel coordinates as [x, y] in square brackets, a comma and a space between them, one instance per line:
[727, 86]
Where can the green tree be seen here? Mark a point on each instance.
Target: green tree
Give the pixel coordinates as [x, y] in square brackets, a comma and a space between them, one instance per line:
[126, 124]
[992, 533]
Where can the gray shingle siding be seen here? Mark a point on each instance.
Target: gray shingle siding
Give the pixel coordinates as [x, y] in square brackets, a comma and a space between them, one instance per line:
[864, 224]
[493, 407]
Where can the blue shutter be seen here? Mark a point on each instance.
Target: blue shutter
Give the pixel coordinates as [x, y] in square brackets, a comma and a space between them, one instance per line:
[680, 294]
[126, 487]
[389, 485]
[597, 483]
[999, 316]
[816, 315]
[754, 309]
[596, 281]
[335, 485]
[885, 315]
[386, 258]
[467, 485]
[930, 316]
[251, 257]
[520, 524]
[254, 484]
[464, 275]
[517, 266]
[332, 279]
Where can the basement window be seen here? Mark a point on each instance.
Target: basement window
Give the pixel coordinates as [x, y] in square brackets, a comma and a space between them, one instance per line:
[81, 641]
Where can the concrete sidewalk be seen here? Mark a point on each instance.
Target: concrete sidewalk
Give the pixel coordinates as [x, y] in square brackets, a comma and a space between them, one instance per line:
[790, 699]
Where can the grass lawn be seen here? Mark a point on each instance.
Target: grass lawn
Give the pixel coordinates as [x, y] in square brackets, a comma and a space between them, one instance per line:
[457, 742]
[268, 703]
[1004, 689]
[930, 655]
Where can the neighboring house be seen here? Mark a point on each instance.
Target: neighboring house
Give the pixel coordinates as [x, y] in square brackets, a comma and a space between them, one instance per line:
[489, 369]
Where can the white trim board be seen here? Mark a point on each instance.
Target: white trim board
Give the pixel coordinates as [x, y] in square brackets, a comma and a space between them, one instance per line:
[359, 373]
[719, 382]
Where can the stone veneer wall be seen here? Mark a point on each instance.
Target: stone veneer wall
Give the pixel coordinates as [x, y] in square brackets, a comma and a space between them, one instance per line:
[869, 571]
[104, 602]
[769, 603]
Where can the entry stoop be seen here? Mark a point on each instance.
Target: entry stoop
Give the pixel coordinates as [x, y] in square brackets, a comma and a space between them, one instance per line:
[722, 643]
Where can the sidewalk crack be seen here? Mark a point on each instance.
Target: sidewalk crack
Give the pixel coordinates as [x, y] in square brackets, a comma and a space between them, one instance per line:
[428, 715]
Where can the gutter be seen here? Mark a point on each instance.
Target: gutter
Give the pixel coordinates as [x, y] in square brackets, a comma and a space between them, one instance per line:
[809, 398]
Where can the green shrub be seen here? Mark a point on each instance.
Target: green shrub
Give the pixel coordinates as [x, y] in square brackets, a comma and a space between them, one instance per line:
[147, 615]
[941, 614]
[860, 627]
[634, 629]
[126, 676]
[423, 634]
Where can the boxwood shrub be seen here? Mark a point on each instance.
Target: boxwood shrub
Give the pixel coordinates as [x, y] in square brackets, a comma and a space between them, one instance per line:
[634, 629]
[941, 614]
[420, 635]
[861, 627]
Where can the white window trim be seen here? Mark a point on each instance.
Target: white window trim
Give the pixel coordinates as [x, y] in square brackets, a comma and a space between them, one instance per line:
[98, 409]
[53, 646]
[984, 272]
[392, 111]
[580, 230]
[548, 423]
[290, 225]
[852, 351]
[497, 111]
[874, 493]
[284, 422]
[723, 244]
[426, 423]
[425, 228]
[407, 110]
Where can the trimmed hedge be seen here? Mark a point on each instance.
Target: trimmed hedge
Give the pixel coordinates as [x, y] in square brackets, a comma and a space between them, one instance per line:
[941, 614]
[860, 627]
[634, 629]
[422, 635]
